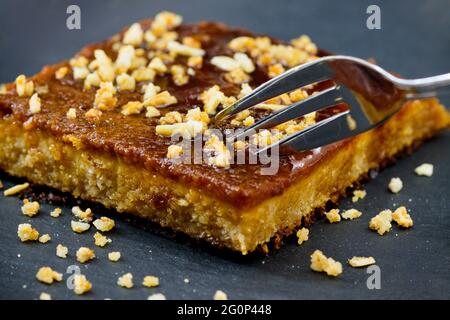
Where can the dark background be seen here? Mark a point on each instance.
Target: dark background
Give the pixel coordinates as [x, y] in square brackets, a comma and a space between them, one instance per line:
[414, 41]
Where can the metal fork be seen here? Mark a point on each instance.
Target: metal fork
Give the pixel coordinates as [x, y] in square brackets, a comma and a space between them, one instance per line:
[370, 92]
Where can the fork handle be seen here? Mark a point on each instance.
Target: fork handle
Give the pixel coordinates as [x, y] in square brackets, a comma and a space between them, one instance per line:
[427, 87]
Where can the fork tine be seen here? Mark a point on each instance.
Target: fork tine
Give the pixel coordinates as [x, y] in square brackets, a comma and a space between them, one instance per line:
[327, 131]
[322, 100]
[300, 76]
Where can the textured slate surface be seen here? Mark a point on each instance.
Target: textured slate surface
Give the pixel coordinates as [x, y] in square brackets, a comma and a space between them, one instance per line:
[414, 264]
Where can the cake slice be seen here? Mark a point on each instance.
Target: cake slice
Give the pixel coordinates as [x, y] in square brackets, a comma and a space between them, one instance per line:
[100, 125]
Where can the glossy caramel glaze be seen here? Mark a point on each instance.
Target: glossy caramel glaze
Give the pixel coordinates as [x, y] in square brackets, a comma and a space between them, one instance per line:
[133, 138]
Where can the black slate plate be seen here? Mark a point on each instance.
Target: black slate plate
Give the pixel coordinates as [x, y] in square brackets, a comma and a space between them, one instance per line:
[413, 41]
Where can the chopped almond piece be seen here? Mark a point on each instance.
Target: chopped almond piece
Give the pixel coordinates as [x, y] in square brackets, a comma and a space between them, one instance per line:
[45, 296]
[80, 284]
[395, 185]
[126, 281]
[44, 238]
[105, 96]
[357, 262]
[35, 104]
[302, 235]
[71, 113]
[79, 227]
[61, 251]
[156, 296]
[150, 281]
[152, 112]
[132, 107]
[134, 35]
[24, 88]
[351, 214]
[93, 114]
[85, 254]
[101, 240]
[220, 295]
[104, 224]
[47, 275]
[162, 99]
[320, 263]
[126, 82]
[30, 208]
[174, 151]
[403, 219]
[61, 73]
[85, 216]
[55, 213]
[114, 256]
[425, 169]
[358, 194]
[27, 233]
[381, 222]
[333, 216]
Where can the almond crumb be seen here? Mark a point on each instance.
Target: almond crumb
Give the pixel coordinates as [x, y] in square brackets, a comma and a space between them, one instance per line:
[55, 213]
[425, 169]
[351, 214]
[401, 216]
[45, 296]
[24, 88]
[333, 216]
[104, 224]
[302, 235]
[358, 194]
[114, 256]
[357, 262]
[126, 281]
[85, 216]
[16, 189]
[150, 281]
[80, 284]
[220, 295]
[101, 240]
[30, 208]
[156, 296]
[320, 263]
[85, 254]
[381, 222]
[47, 275]
[27, 233]
[35, 104]
[44, 238]
[79, 227]
[395, 185]
[71, 113]
[61, 251]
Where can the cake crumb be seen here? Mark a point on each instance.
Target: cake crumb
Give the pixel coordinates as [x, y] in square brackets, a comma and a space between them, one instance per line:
[85, 254]
[358, 194]
[79, 227]
[156, 296]
[30, 208]
[27, 233]
[104, 224]
[395, 185]
[425, 169]
[48, 275]
[357, 262]
[44, 238]
[381, 222]
[333, 216]
[401, 216]
[302, 235]
[351, 214]
[114, 256]
[101, 240]
[81, 285]
[220, 295]
[16, 189]
[45, 296]
[85, 216]
[126, 281]
[61, 251]
[320, 263]
[150, 281]
[55, 213]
